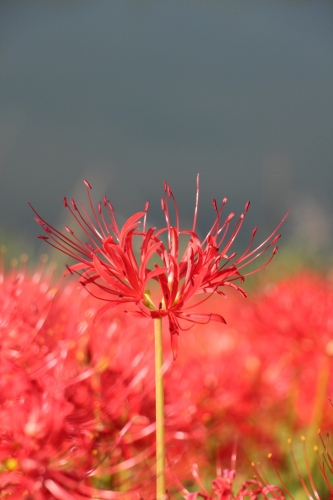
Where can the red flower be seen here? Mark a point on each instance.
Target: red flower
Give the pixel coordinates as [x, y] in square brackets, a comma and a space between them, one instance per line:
[222, 487]
[108, 262]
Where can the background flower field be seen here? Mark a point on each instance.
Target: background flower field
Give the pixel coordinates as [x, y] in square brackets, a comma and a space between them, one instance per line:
[77, 399]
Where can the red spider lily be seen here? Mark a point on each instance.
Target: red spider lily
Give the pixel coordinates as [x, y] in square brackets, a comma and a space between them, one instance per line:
[222, 487]
[108, 263]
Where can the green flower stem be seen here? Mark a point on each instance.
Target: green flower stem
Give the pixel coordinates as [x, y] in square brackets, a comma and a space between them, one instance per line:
[320, 399]
[159, 390]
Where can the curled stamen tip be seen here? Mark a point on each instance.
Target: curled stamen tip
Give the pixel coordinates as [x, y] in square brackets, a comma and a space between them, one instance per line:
[224, 201]
[254, 231]
[111, 206]
[247, 205]
[162, 204]
[230, 216]
[69, 230]
[241, 216]
[147, 206]
[214, 204]
[99, 208]
[87, 184]
[65, 201]
[104, 201]
[74, 204]
[275, 250]
[165, 186]
[42, 237]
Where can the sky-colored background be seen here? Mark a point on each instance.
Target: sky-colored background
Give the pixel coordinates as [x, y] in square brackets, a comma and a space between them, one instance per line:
[131, 93]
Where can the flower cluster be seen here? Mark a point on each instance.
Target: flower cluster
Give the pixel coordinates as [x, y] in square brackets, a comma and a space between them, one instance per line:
[77, 398]
[222, 487]
[266, 376]
[70, 402]
[108, 266]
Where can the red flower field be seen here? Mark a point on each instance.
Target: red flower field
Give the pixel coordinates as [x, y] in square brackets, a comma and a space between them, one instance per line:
[77, 397]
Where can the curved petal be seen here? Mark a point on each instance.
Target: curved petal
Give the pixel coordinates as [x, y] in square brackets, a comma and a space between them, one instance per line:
[107, 307]
[201, 318]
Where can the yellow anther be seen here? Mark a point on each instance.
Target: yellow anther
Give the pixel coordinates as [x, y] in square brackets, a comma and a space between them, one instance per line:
[269, 455]
[94, 452]
[315, 448]
[11, 463]
[303, 438]
[289, 441]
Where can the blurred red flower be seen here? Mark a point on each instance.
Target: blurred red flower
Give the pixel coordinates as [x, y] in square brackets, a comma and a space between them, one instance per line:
[70, 401]
[296, 316]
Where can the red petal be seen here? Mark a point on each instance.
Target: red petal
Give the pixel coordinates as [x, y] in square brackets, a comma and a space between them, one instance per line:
[104, 309]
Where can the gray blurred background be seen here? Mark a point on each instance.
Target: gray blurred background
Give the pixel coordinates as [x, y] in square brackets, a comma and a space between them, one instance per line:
[131, 93]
